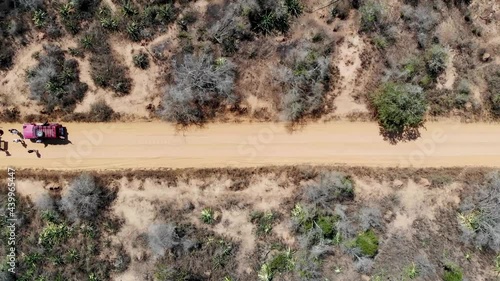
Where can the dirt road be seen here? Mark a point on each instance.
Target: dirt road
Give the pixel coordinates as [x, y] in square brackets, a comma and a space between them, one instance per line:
[156, 144]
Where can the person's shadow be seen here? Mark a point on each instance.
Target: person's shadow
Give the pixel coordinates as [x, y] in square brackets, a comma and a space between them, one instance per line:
[4, 146]
[38, 154]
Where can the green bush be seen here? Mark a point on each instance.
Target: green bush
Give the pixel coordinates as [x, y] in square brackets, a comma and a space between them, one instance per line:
[436, 59]
[158, 14]
[367, 242]
[327, 225]
[452, 272]
[400, 109]
[282, 262]
[371, 16]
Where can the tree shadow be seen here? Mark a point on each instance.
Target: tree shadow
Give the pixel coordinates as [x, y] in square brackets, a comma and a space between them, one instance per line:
[405, 135]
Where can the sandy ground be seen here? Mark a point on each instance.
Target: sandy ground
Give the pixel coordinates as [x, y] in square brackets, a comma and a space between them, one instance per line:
[155, 145]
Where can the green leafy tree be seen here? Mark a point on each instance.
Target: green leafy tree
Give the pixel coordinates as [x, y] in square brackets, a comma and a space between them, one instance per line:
[400, 110]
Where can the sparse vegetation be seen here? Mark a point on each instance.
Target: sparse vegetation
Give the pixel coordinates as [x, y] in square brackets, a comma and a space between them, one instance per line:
[106, 69]
[55, 81]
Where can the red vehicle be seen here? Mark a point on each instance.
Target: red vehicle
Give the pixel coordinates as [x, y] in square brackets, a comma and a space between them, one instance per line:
[45, 131]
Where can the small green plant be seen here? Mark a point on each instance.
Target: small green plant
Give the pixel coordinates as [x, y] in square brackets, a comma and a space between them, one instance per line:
[93, 277]
[141, 60]
[222, 254]
[87, 41]
[282, 262]
[128, 9]
[72, 256]
[54, 234]
[294, 7]
[109, 23]
[67, 9]
[452, 272]
[367, 242]
[264, 221]
[412, 271]
[265, 273]
[207, 216]
[133, 31]
[327, 226]
[469, 220]
[39, 18]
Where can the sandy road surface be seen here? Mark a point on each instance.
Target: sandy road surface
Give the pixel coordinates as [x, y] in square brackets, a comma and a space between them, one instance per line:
[156, 144]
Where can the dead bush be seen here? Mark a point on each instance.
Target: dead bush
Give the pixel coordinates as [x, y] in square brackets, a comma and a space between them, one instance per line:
[422, 20]
[10, 114]
[304, 77]
[166, 237]
[370, 218]
[231, 28]
[201, 87]
[45, 203]
[83, 199]
[329, 188]
[100, 111]
[479, 215]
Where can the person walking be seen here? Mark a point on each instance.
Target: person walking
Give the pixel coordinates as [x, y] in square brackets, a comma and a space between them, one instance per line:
[14, 131]
[20, 141]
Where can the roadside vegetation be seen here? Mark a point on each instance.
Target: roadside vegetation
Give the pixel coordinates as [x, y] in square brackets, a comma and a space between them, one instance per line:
[265, 60]
[309, 224]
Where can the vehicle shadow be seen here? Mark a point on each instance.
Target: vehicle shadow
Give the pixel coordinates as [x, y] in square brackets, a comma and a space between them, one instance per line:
[48, 142]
